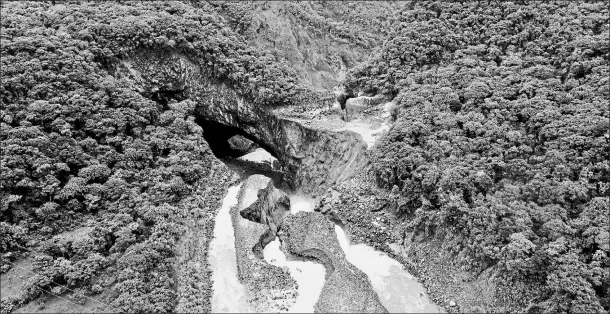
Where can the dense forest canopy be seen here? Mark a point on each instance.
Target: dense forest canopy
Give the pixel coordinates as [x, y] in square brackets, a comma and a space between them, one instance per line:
[500, 144]
[81, 147]
[501, 139]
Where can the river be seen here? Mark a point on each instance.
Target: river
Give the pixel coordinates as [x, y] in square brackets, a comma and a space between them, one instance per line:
[229, 295]
[396, 288]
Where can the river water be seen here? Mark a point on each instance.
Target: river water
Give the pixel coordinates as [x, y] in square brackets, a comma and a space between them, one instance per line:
[397, 289]
[229, 295]
[308, 275]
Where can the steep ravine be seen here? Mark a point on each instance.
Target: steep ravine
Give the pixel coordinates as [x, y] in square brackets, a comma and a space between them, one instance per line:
[393, 287]
[318, 39]
[313, 159]
[310, 160]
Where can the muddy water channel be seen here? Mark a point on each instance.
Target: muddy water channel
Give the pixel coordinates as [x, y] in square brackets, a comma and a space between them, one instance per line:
[229, 296]
[309, 275]
[397, 290]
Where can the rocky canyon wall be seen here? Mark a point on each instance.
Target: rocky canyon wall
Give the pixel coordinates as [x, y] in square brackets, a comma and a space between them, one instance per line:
[320, 40]
[312, 159]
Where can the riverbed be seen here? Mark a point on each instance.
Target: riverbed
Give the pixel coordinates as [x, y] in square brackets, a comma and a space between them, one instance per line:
[229, 295]
[397, 289]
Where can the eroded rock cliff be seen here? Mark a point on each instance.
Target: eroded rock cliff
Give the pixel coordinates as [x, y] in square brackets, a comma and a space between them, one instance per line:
[321, 40]
[312, 159]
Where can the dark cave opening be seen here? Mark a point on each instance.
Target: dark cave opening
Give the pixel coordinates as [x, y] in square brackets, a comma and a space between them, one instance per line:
[221, 139]
[218, 135]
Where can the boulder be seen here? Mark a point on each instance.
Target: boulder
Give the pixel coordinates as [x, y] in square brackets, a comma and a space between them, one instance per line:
[359, 104]
[389, 109]
[276, 165]
[347, 289]
[241, 145]
[355, 105]
[328, 201]
[336, 108]
[342, 95]
[269, 209]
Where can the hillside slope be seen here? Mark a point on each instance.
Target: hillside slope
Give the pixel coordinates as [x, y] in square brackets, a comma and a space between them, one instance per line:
[109, 187]
[320, 40]
[496, 166]
[500, 143]
[84, 147]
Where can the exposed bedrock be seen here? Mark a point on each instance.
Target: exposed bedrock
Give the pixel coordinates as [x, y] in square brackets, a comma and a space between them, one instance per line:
[272, 288]
[269, 209]
[240, 145]
[347, 289]
[361, 103]
[312, 159]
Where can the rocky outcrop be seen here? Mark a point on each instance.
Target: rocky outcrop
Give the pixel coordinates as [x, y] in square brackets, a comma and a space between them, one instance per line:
[272, 287]
[361, 103]
[269, 209]
[342, 95]
[319, 59]
[328, 201]
[347, 289]
[348, 105]
[312, 159]
[241, 145]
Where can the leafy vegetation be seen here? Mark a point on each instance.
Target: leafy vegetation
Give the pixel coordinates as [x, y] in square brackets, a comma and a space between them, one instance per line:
[83, 148]
[501, 138]
[362, 23]
[500, 143]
